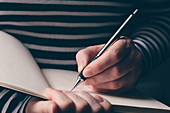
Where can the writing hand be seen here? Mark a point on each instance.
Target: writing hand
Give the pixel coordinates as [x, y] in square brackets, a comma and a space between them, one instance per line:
[118, 68]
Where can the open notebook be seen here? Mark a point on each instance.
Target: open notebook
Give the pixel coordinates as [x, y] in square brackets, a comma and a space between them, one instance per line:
[19, 71]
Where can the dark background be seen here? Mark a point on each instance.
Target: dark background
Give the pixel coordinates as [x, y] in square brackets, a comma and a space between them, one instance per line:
[157, 83]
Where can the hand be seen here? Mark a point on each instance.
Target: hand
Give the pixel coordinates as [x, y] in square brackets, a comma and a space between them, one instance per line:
[68, 102]
[117, 69]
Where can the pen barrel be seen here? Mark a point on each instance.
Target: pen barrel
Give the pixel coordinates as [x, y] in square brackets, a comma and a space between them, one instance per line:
[81, 75]
[112, 40]
[94, 59]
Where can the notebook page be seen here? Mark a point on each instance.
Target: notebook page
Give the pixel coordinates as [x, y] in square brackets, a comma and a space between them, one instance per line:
[64, 80]
[18, 70]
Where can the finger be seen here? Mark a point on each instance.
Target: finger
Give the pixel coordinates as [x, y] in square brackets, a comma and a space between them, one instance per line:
[62, 100]
[114, 72]
[84, 56]
[123, 84]
[110, 57]
[105, 104]
[35, 106]
[116, 84]
[94, 104]
[81, 104]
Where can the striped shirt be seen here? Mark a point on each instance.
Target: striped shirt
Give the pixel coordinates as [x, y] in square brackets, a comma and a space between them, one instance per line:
[54, 30]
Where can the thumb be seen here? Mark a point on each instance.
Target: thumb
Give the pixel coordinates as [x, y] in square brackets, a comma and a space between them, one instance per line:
[84, 56]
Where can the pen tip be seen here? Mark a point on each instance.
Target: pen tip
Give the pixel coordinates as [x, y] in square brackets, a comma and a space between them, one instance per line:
[76, 83]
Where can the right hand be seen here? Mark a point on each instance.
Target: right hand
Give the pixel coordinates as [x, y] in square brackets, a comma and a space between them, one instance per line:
[68, 102]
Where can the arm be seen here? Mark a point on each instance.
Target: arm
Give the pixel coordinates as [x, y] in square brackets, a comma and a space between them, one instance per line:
[68, 102]
[151, 37]
[12, 101]
[119, 68]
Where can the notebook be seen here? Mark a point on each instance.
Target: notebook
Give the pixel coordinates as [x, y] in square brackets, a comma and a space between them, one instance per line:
[20, 72]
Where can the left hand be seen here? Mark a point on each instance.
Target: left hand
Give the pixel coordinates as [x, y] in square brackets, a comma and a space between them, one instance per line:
[117, 69]
[68, 102]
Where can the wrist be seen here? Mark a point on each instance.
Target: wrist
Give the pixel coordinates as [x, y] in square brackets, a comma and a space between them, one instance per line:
[30, 103]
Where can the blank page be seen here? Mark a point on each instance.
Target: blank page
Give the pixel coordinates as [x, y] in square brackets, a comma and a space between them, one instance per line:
[18, 70]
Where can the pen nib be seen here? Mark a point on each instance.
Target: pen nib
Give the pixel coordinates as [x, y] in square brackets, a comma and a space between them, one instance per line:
[76, 83]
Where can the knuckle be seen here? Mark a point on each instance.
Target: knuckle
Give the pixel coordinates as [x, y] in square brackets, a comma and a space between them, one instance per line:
[83, 106]
[79, 53]
[68, 104]
[99, 67]
[52, 107]
[98, 109]
[115, 85]
[116, 55]
[110, 59]
[107, 106]
[82, 92]
[116, 73]
[89, 47]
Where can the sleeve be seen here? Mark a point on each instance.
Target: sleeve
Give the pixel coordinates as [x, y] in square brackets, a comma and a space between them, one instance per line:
[12, 102]
[152, 35]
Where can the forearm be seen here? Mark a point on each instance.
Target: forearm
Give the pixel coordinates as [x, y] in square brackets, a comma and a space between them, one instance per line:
[152, 36]
[12, 102]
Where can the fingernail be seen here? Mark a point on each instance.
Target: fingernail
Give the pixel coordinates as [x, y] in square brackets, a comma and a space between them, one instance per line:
[88, 72]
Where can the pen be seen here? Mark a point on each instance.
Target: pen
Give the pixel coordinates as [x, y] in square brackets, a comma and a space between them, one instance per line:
[80, 77]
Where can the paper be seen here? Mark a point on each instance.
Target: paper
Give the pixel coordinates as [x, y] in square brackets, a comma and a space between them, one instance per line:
[19, 71]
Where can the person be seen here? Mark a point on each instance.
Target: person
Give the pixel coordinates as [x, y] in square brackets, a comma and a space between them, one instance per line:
[54, 31]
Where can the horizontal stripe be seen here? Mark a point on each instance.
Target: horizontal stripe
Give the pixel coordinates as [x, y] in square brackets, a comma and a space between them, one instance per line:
[163, 26]
[25, 101]
[49, 61]
[156, 10]
[62, 30]
[17, 107]
[59, 24]
[66, 8]
[150, 37]
[150, 32]
[163, 20]
[102, 3]
[3, 93]
[53, 55]
[62, 18]
[162, 41]
[153, 44]
[58, 13]
[54, 49]
[5, 98]
[145, 53]
[60, 42]
[55, 66]
[149, 49]
[55, 36]
[5, 108]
